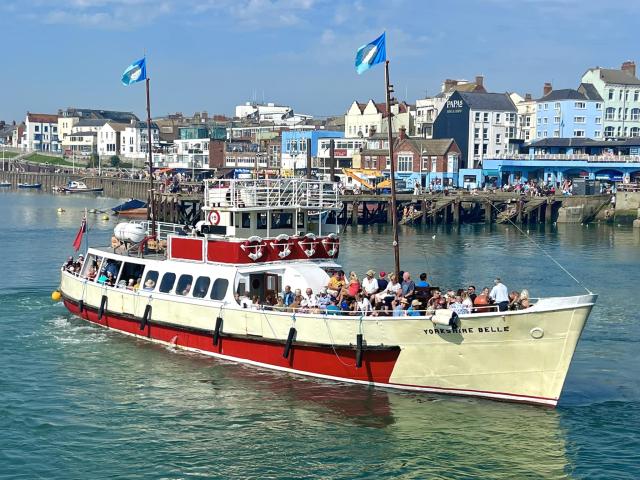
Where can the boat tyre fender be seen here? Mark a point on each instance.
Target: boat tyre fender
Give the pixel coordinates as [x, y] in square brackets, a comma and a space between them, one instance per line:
[287, 346]
[103, 305]
[81, 306]
[145, 317]
[359, 350]
[217, 330]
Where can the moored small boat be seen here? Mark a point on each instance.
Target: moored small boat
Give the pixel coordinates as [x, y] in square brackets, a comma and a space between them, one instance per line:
[5, 184]
[131, 208]
[30, 185]
[78, 187]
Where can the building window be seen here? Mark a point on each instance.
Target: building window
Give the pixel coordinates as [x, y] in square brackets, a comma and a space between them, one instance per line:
[598, 120]
[546, 106]
[36, 128]
[620, 95]
[405, 163]
[527, 136]
[485, 134]
[635, 114]
[635, 132]
[609, 113]
[539, 121]
[580, 105]
[484, 149]
[425, 163]
[578, 133]
[544, 134]
[476, 149]
[596, 133]
[545, 120]
[556, 120]
[486, 117]
[579, 120]
[498, 138]
[598, 106]
[611, 94]
[557, 106]
[476, 133]
[620, 113]
[477, 116]
[497, 118]
[556, 133]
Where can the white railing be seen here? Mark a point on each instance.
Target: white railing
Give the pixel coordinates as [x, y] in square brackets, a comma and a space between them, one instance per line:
[163, 229]
[575, 156]
[266, 194]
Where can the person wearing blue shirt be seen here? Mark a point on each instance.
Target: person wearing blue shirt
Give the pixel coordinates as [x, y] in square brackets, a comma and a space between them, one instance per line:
[332, 308]
[423, 281]
[287, 296]
[414, 309]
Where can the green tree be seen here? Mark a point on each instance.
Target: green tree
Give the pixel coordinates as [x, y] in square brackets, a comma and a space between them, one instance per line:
[115, 161]
[93, 161]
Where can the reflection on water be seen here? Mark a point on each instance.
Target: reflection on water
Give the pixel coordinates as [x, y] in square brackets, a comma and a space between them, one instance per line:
[85, 401]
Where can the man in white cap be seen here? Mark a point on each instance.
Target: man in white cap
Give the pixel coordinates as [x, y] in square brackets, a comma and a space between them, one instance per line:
[370, 284]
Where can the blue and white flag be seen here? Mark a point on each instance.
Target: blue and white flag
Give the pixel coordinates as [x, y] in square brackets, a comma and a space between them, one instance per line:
[371, 54]
[136, 72]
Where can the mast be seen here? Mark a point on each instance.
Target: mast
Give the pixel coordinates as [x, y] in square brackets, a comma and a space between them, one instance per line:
[394, 212]
[151, 195]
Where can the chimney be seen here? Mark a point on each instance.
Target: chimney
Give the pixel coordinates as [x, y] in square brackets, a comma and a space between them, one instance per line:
[630, 67]
[402, 133]
[547, 89]
[449, 84]
[480, 80]
[527, 97]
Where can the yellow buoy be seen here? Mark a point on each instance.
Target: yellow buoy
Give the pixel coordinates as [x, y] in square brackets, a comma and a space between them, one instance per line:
[56, 295]
[105, 217]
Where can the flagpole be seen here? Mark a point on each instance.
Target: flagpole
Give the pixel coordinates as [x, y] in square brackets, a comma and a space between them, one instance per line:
[151, 196]
[394, 211]
[86, 230]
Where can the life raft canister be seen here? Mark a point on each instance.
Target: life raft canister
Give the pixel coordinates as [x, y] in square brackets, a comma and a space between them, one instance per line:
[254, 247]
[309, 244]
[282, 245]
[331, 244]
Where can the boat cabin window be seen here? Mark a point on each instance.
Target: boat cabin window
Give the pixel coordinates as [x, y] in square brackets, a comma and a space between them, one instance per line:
[111, 268]
[219, 290]
[184, 285]
[201, 287]
[91, 266]
[168, 279]
[281, 220]
[262, 220]
[150, 280]
[131, 271]
[300, 219]
[246, 220]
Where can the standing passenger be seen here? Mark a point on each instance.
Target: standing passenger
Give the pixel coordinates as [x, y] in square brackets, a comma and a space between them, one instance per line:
[500, 295]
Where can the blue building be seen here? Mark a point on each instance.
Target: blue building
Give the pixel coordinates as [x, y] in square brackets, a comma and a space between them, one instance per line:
[554, 160]
[569, 113]
[294, 146]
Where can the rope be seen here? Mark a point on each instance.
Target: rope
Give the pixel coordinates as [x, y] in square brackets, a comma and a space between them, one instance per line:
[528, 237]
[325, 317]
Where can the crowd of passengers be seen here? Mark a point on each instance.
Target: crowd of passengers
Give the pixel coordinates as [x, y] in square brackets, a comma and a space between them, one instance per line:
[389, 296]
[106, 276]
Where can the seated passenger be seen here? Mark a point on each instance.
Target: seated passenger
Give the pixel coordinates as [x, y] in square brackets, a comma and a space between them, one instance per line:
[437, 301]
[408, 285]
[324, 299]
[514, 301]
[68, 264]
[336, 282]
[309, 300]
[458, 306]
[370, 284]
[414, 308]
[149, 284]
[91, 274]
[185, 291]
[287, 296]
[396, 306]
[279, 303]
[524, 299]
[482, 303]
[423, 281]
[363, 305]
[136, 285]
[332, 308]
[130, 284]
[352, 288]
[393, 287]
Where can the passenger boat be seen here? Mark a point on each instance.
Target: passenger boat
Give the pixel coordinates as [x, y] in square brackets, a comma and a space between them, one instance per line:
[30, 185]
[78, 187]
[194, 294]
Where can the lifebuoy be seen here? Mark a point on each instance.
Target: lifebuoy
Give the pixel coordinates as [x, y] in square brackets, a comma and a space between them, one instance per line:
[213, 217]
[309, 244]
[331, 244]
[254, 246]
[282, 245]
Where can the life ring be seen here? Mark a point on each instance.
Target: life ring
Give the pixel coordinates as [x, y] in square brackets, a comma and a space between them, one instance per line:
[282, 245]
[331, 244]
[213, 217]
[254, 246]
[309, 244]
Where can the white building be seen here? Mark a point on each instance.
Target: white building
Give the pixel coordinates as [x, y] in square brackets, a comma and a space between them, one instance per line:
[526, 116]
[270, 112]
[108, 139]
[81, 138]
[134, 141]
[362, 117]
[41, 133]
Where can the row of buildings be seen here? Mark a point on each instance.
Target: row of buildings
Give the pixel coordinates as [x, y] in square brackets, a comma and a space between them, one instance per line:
[464, 135]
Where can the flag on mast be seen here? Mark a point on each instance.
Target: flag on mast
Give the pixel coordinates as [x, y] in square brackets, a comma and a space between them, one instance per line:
[136, 72]
[83, 228]
[371, 54]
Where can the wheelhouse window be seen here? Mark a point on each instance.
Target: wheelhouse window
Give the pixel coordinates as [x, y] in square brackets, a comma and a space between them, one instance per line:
[184, 285]
[281, 220]
[219, 290]
[201, 287]
[168, 279]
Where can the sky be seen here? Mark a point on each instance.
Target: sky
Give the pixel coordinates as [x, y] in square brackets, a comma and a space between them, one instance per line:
[210, 55]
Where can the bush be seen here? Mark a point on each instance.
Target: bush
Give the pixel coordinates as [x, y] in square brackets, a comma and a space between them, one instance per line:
[115, 161]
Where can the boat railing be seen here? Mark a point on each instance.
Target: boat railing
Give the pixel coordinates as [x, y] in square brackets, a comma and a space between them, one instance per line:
[163, 229]
[274, 193]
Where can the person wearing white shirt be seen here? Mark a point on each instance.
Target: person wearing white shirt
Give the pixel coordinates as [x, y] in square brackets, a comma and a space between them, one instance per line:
[500, 295]
[309, 299]
[363, 305]
[370, 284]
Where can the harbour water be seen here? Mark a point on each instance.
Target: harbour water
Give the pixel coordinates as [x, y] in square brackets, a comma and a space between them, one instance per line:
[79, 402]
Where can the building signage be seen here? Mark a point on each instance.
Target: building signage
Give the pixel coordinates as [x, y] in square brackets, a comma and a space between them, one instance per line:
[454, 106]
[340, 152]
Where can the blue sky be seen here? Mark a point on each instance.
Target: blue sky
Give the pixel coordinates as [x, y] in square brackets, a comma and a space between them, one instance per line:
[213, 54]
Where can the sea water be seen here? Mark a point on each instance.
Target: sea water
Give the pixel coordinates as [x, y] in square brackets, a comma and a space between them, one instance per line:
[78, 402]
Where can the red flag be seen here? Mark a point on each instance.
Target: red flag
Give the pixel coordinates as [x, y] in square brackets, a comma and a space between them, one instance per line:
[83, 228]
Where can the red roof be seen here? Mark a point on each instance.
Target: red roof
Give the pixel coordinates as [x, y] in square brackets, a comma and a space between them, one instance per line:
[42, 118]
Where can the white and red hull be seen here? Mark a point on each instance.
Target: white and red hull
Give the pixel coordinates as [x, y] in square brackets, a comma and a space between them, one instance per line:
[497, 356]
